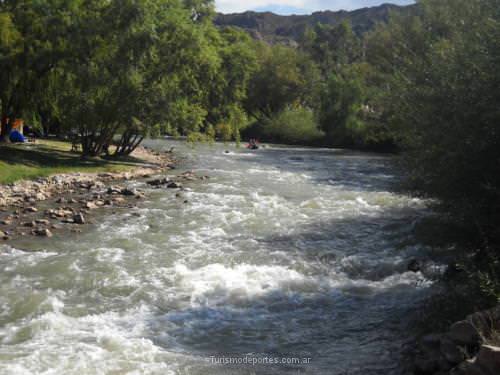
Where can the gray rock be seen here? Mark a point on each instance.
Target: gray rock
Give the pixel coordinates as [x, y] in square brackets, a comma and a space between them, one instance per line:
[79, 219]
[463, 332]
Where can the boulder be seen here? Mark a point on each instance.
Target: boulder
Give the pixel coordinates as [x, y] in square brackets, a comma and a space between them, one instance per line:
[42, 221]
[79, 219]
[30, 209]
[463, 332]
[29, 224]
[5, 222]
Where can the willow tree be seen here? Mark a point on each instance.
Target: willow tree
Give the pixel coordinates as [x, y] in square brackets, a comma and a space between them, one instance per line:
[137, 64]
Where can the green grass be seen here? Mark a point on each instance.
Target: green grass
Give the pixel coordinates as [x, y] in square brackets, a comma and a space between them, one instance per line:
[45, 158]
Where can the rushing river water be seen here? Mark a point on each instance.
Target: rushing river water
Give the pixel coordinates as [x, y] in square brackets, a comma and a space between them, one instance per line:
[284, 254]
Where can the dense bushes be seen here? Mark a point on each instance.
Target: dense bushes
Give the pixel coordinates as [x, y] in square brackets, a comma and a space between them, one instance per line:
[441, 96]
[290, 126]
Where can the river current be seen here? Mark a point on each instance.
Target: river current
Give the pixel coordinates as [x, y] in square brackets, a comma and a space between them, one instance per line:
[286, 261]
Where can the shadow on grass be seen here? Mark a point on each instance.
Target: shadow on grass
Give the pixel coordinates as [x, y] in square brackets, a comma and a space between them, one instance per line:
[45, 156]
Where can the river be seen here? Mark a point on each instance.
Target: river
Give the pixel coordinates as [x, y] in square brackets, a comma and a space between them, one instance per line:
[283, 254]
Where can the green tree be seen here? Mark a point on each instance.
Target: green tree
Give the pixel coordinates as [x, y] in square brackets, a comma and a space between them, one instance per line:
[33, 41]
[285, 77]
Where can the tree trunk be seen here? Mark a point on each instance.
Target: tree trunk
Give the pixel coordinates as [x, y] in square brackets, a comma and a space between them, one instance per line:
[6, 128]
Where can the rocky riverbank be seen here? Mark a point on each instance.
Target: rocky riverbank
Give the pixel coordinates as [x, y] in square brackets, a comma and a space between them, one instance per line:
[65, 202]
[469, 347]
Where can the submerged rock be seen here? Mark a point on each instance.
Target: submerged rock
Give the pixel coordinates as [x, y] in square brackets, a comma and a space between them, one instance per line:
[414, 265]
[43, 232]
[79, 219]
[158, 181]
[174, 185]
[129, 192]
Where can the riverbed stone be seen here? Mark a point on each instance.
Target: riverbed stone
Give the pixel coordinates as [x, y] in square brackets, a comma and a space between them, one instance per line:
[129, 192]
[79, 219]
[90, 205]
[158, 181]
[114, 190]
[43, 232]
[30, 209]
[42, 221]
[28, 224]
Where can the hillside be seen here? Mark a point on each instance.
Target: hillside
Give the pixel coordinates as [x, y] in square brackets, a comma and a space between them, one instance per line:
[275, 28]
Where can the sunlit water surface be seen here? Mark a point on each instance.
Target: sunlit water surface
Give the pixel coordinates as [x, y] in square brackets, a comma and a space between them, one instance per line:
[283, 252]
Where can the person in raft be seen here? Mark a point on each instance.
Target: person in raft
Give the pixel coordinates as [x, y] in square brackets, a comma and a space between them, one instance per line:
[252, 144]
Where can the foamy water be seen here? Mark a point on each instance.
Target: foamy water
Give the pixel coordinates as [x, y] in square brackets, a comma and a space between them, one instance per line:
[283, 252]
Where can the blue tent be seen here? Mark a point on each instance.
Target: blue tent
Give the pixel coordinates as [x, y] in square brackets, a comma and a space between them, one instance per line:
[16, 137]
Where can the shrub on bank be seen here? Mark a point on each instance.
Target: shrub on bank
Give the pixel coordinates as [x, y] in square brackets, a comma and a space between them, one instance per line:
[291, 126]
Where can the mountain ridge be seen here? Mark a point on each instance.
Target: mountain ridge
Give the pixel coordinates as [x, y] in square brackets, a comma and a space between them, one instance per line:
[288, 29]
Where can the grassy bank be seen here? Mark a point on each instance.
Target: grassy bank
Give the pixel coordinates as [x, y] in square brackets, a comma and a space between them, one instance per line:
[29, 161]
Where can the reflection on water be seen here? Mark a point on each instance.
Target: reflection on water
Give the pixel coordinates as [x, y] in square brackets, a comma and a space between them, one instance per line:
[284, 252]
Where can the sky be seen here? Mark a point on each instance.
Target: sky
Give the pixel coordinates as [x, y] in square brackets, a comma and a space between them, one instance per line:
[298, 6]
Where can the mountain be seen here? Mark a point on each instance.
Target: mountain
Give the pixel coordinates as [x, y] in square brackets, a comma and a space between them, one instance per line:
[275, 28]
